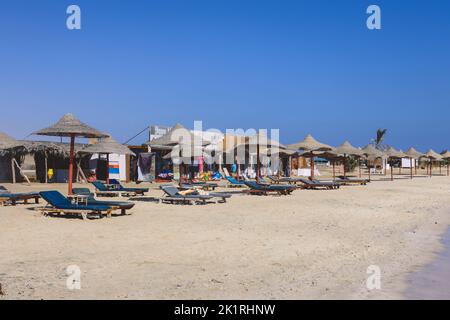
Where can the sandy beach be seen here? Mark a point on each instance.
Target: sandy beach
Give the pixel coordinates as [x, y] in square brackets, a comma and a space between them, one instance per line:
[310, 245]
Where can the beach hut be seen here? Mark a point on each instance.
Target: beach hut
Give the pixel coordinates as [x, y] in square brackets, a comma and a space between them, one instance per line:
[432, 155]
[347, 150]
[311, 146]
[9, 148]
[69, 126]
[107, 146]
[415, 155]
[446, 156]
[372, 153]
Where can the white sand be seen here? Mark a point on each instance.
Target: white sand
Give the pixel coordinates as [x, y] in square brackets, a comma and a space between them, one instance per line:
[312, 244]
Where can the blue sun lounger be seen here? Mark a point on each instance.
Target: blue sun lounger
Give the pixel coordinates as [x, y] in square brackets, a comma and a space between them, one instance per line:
[234, 183]
[119, 187]
[60, 204]
[122, 205]
[7, 197]
[264, 189]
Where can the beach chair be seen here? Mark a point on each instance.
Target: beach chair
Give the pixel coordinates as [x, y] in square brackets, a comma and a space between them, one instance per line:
[233, 183]
[199, 184]
[351, 181]
[265, 189]
[173, 195]
[58, 204]
[91, 201]
[102, 190]
[137, 191]
[316, 185]
[6, 197]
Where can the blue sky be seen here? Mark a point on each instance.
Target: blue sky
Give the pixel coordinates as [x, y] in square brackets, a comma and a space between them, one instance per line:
[300, 66]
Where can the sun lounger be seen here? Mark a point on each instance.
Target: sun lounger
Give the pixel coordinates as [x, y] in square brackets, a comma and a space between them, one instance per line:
[350, 180]
[264, 189]
[59, 204]
[102, 190]
[233, 183]
[200, 184]
[7, 197]
[173, 195]
[315, 184]
[122, 205]
[138, 191]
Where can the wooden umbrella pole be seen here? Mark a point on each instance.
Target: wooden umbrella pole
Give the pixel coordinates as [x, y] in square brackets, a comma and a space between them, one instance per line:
[440, 168]
[107, 168]
[392, 170]
[416, 162]
[312, 166]
[431, 167]
[334, 169]
[345, 170]
[359, 167]
[257, 163]
[447, 168]
[368, 166]
[72, 151]
[411, 167]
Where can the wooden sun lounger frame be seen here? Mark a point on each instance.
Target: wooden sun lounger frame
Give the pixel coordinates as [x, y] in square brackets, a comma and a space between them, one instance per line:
[84, 213]
[263, 192]
[344, 182]
[191, 201]
[13, 201]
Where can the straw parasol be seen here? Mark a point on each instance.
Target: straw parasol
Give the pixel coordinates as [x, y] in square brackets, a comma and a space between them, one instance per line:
[107, 146]
[69, 126]
[346, 149]
[370, 152]
[176, 137]
[391, 154]
[310, 145]
[432, 155]
[259, 140]
[7, 142]
[446, 156]
[412, 153]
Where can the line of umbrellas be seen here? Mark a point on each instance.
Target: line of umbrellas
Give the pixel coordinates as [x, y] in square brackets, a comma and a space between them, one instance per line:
[69, 126]
[310, 148]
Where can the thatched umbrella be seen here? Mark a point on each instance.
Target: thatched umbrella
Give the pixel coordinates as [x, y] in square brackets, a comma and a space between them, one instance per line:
[372, 153]
[392, 154]
[310, 145]
[179, 136]
[432, 155]
[107, 146]
[7, 142]
[346, 149]
[257, 141]
[69, 126]
[413, 154]
[446, 156]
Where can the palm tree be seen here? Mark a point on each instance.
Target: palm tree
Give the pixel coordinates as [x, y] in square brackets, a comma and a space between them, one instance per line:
[377, 142]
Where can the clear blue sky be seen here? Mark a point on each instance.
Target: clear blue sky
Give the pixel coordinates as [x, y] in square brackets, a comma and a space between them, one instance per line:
[301, 66]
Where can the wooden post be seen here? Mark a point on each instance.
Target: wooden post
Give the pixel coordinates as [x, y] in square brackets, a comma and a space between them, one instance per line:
[411, 167]
[392, 170]
[431, 167]
[13, 169]
[72, 151]
[440, 168]
[359, 167]
[334, 169]
[344, 162]
[416, 163]
[257, 163]
[447, 168]
[368, 165]
[107, 168]
[312, 166]
[46, 166]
